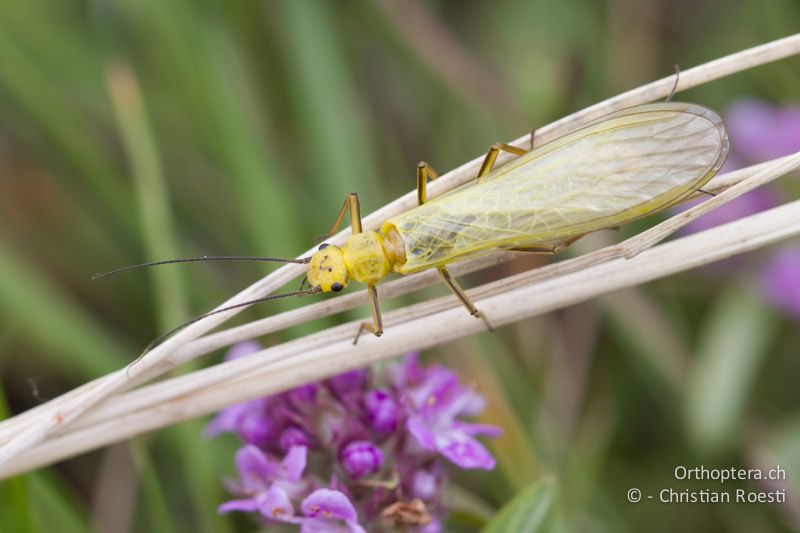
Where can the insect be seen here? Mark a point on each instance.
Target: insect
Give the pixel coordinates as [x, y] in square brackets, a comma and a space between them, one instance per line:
[609, 172]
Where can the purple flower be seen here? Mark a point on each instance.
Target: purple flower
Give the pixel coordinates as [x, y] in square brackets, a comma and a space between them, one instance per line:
[303, 395]
[271, 486]
[328, 511]
[248, 419]
[294, 436]
[761, 131]
[268, 484]
[242, 349]
[425, 484]
[349, 382]
[436, 402]
[361, 458]
[454, 441]
[396, 428]
[382, 411]
[434, 526]
[780, 281]
[409, 373]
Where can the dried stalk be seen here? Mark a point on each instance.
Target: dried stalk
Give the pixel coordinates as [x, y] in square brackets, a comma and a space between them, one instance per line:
[405, 285]
[427, 324]
[758, 175]
[57, 414]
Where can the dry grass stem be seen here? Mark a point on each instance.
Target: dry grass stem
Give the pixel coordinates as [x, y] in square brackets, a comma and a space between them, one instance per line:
[329, 352]
[753, 175]
[760, 174]
[39, 424]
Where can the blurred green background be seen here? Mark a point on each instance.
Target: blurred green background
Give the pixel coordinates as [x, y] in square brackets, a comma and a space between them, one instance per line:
[133, 130]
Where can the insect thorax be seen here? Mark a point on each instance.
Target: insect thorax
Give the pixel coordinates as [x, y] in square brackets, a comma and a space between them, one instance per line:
[365, 257]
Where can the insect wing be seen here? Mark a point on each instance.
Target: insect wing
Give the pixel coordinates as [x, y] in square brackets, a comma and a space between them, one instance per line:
[610, 172]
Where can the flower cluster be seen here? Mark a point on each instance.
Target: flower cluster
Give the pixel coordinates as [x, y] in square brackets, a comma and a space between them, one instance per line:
[358, 450]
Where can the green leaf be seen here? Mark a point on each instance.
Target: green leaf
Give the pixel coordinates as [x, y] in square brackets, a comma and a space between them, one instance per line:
[43, 104]
[153, 499]
[54, 505]
[13, 493]
[75, 341]
[733, 344]
[155, 214]
[527, 511]
[326, 103]
[782, 448]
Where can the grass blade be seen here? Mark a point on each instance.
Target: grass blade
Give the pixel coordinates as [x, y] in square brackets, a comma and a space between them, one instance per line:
[527, 512]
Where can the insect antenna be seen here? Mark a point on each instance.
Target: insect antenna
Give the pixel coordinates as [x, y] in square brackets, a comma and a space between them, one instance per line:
[300, 261]
[165, 336]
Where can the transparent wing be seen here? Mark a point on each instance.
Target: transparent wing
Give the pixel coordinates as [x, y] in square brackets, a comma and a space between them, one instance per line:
[617, 169]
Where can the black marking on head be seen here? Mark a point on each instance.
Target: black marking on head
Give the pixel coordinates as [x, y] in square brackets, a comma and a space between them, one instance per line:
[323, 245]
[336, 287]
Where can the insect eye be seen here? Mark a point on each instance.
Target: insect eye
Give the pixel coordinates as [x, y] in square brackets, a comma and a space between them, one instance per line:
[323, 245]
[336, 287]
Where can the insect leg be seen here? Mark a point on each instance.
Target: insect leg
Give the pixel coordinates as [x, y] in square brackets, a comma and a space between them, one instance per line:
[376, 328]
[680, 199]
[494, 151]
[354, 205]
[303, 283]
[542, 249]
[424, 173]
[451, 282]
[547, 248]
